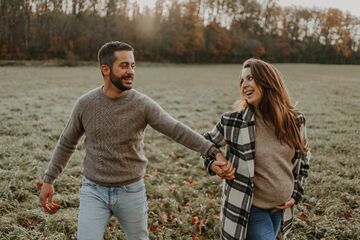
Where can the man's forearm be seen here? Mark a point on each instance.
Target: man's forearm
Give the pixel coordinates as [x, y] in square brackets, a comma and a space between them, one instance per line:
[187, 137]
[59, 159]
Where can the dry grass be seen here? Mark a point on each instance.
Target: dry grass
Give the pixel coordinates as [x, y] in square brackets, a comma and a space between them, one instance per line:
[36, 102]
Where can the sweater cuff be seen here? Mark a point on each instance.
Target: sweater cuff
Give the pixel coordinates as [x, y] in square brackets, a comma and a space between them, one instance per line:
[211, 149]
[208, 162]
[48, 179]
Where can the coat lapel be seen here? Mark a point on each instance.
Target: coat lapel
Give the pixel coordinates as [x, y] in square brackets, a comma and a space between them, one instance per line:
[247, 138]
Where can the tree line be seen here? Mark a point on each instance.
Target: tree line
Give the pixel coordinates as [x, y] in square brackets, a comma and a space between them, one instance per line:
[187, 31]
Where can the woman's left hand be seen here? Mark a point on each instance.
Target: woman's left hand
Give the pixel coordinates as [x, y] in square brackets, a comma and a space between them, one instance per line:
[288, 204]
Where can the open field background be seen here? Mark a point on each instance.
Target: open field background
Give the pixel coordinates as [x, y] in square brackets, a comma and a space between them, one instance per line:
[36, 102]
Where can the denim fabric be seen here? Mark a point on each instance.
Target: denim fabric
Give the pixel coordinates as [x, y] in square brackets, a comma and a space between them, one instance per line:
[264, 224]
[98, 203]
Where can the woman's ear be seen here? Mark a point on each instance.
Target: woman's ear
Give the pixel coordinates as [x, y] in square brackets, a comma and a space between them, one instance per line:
[105, 70]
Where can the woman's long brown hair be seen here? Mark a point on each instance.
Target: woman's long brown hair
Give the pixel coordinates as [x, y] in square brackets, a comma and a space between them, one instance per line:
[275, 105]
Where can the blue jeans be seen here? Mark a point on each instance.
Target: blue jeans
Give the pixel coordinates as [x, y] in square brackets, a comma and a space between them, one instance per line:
[97, 204]
[264, 224]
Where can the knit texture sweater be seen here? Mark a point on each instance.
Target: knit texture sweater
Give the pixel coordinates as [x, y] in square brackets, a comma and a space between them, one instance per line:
[273, 179]
[114, 134]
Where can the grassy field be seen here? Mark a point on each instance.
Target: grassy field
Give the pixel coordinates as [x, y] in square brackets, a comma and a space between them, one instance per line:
[183, 200]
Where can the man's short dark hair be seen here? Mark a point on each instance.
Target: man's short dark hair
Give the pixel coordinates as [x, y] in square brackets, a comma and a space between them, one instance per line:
[106, 52]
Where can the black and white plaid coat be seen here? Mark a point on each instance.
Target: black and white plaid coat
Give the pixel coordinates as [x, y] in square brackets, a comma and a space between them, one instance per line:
[236, 130]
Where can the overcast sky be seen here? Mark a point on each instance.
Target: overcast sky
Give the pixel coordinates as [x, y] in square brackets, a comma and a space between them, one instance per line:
[353, 6]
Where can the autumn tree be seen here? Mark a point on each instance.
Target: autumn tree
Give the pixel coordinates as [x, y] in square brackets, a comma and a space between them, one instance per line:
[178, 31]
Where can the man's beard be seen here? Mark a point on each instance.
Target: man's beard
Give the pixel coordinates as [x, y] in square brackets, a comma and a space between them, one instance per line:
[117, 81]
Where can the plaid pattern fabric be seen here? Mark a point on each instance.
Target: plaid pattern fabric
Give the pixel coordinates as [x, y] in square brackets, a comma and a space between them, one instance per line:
[235, 131]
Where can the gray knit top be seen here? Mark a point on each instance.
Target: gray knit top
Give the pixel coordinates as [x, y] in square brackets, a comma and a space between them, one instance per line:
[114, 133]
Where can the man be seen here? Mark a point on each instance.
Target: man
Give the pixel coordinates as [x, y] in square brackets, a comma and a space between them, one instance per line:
[113, 118]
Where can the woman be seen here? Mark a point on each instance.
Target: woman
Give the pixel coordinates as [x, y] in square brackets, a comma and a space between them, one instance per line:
[266, 142]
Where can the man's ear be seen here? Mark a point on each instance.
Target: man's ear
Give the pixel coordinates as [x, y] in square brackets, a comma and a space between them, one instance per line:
[105, 70]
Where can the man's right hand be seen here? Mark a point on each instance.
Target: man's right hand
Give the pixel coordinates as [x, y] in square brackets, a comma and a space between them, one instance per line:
[46, 201]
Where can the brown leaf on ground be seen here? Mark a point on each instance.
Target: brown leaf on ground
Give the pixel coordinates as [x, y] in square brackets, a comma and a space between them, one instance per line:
[303, 216]
[348, 214]
[173, 156]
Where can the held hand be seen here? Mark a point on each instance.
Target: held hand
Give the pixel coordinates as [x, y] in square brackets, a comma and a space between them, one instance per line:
[223, 168]
[46, 194]
[288, 204]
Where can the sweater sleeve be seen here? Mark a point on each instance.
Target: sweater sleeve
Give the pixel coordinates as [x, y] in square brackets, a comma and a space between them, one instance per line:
[216, 136]
[161, 121]
[66, 145]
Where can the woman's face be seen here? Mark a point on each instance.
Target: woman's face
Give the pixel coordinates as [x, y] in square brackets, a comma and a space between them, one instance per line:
[251, 92]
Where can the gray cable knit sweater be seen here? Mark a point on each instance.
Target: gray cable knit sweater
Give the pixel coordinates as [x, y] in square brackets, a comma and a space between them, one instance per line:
[114, 133]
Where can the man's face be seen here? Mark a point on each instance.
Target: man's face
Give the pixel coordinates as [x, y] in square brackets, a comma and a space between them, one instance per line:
[123, 70]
